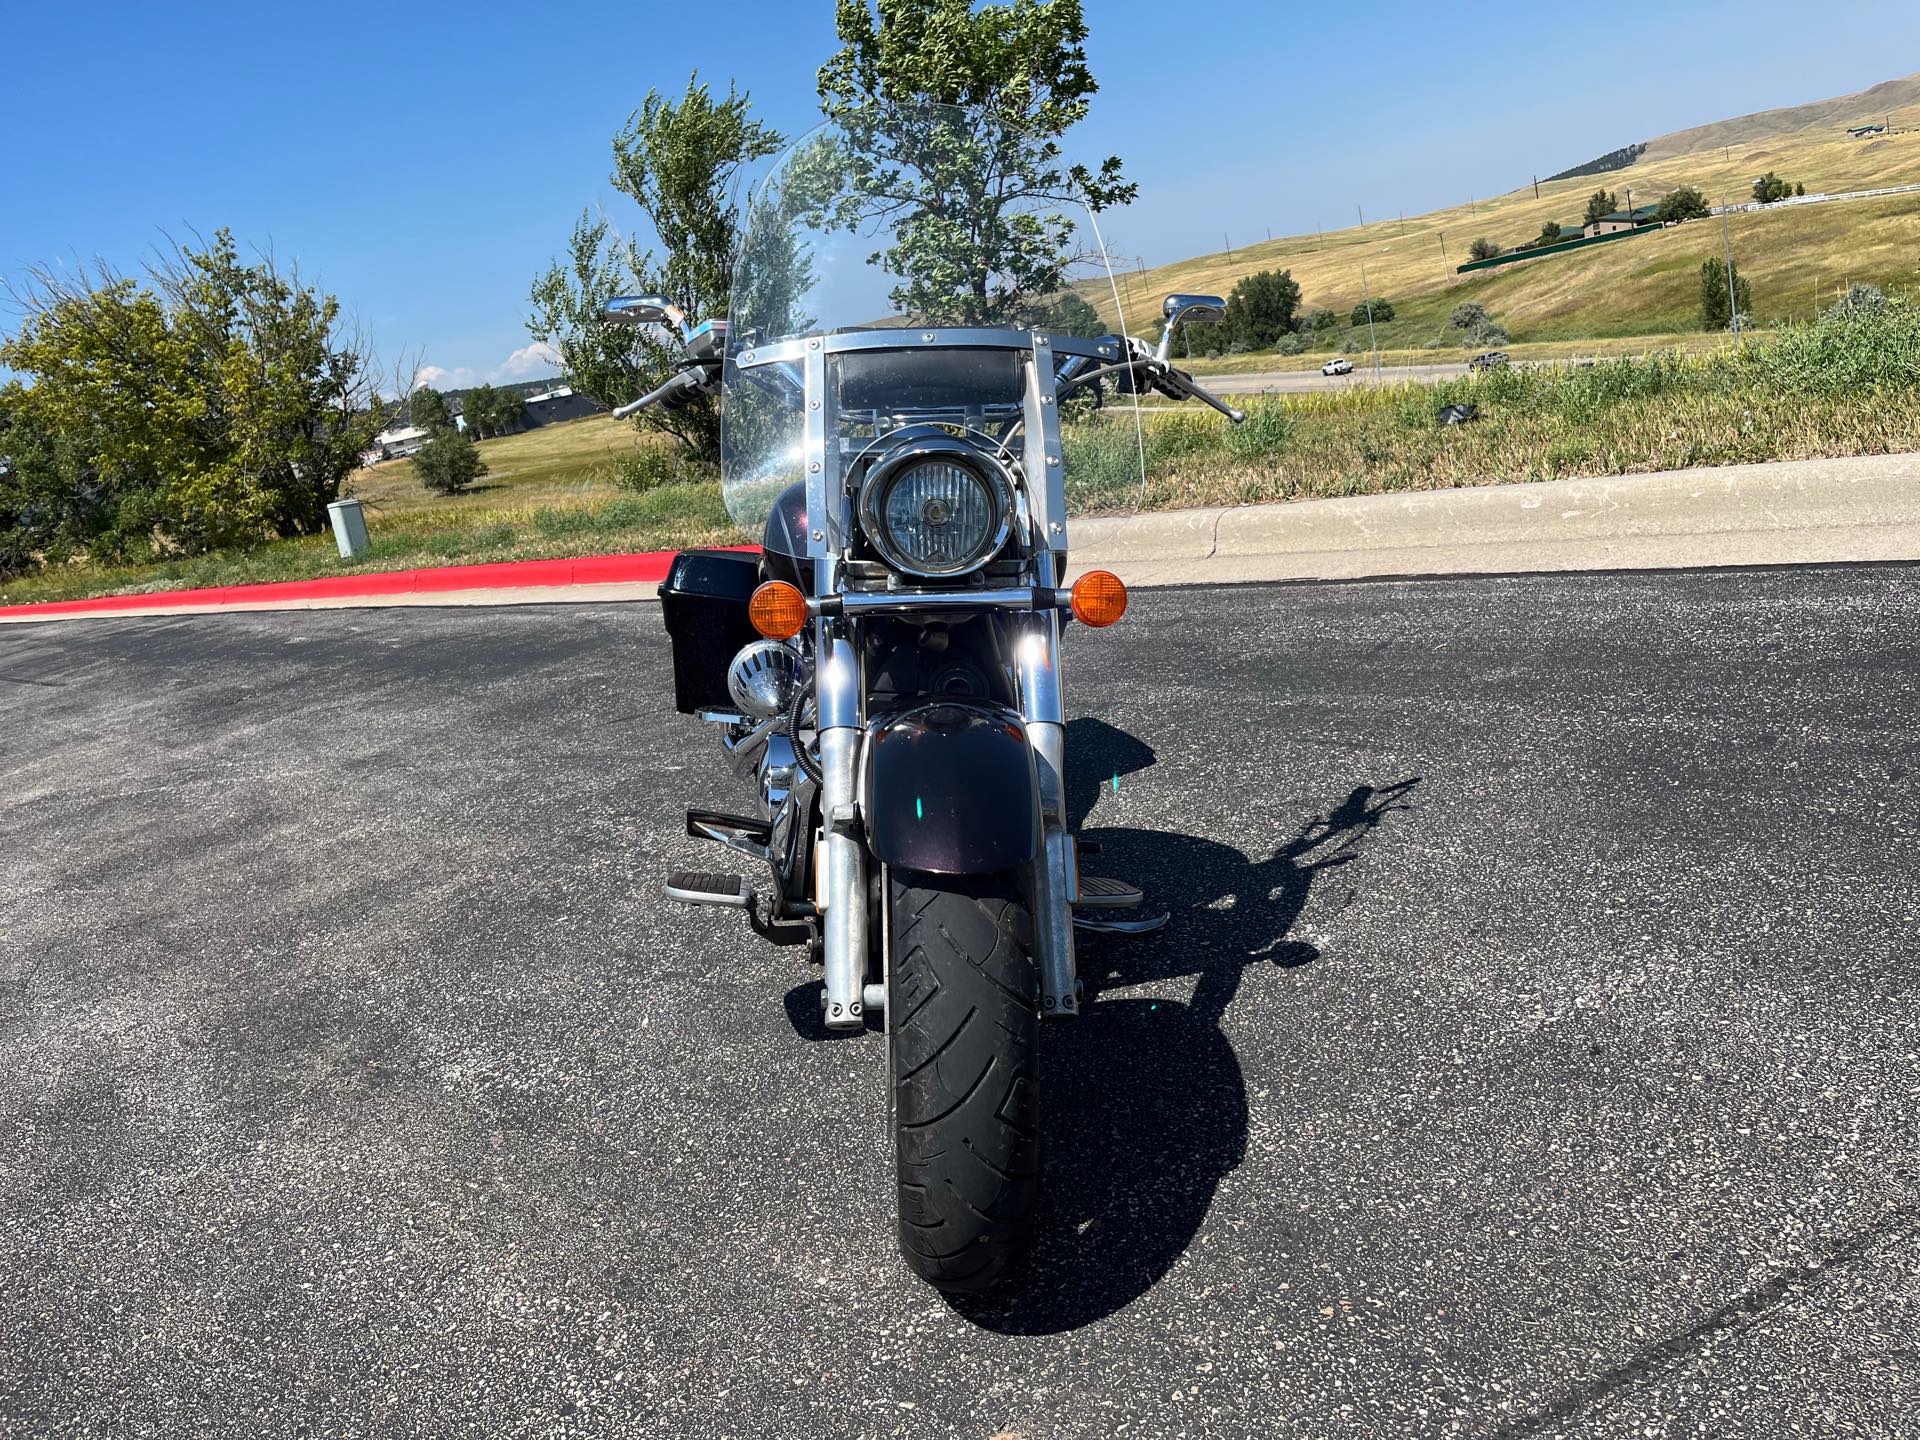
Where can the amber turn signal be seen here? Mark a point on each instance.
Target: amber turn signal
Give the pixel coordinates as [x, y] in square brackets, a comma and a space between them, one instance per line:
[1099, 598]
[777, 610]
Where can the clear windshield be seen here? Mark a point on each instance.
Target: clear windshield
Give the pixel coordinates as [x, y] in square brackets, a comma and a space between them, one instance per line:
[919, 218]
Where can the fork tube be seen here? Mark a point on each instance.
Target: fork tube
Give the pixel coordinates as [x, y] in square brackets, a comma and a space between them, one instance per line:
[845, 897]
[1041, 707]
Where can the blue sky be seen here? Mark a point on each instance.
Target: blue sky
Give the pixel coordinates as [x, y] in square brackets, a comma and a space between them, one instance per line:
[424, 162]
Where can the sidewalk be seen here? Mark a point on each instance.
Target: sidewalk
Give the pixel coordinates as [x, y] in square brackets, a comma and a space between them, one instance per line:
[1795, 512]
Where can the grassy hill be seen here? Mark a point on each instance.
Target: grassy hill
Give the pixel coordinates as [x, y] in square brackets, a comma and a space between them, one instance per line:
[1797, 258]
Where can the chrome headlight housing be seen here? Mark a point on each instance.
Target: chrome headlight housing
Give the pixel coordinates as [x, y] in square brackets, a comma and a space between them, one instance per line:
[935, 506]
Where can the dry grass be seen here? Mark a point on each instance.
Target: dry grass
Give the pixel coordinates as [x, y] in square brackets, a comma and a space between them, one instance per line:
[1795, 257]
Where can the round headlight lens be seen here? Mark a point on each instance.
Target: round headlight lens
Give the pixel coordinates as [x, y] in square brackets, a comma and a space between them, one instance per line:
[938, 516]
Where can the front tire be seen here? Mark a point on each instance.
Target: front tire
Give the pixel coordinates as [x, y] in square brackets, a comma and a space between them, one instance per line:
[963, 1022]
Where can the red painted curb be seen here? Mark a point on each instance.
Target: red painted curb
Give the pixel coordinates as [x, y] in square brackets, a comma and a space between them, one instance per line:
[642, 569]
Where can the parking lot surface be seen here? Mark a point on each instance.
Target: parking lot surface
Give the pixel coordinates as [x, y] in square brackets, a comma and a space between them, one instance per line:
[1531, 1051]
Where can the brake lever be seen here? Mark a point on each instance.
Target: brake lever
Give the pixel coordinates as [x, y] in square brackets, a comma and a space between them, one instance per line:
[1178, 385]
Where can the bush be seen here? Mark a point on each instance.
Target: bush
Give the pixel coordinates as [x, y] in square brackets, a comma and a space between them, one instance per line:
[1770, 187]
[1290, 345]
[1482, 249]
[1683, 203]
[1715, 312]
[1848, 351]
[1467, 314]
[1483, 334]
[1382, 312]
[448, 463]
[1861, 297]
[1322, 320]
[654, 466]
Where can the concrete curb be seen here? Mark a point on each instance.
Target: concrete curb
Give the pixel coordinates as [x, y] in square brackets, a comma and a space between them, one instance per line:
[1794, 512]
[1786, 512]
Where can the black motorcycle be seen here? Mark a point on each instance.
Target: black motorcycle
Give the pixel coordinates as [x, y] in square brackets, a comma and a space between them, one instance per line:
[887, 668]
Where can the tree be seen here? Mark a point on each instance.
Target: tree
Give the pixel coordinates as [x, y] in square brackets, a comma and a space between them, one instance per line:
[1382, 312]
[1260, 309]
[1322, 319]
[218, 404]
[1684, 202]
[963, 209]
[676, 161]
[427, 408]
[1482, 249]
[1599, 204]
[1770, 187]
[1714, 314]
[1799, 187]
[448, 462]
[1549, 233]
[1072, 314]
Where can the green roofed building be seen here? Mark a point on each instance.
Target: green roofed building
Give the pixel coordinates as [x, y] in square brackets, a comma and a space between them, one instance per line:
[1618, 220]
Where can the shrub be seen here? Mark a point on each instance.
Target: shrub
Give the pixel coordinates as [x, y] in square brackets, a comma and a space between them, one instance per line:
[1483, 334]
[1382, 312]
[1322, 319]
[448, 463]
[653, 466]
[1467, 314]
[1682, 203]
[1770, 187]
[1292, 344]
[1482, 249]
[1715, 311]
[1861, 297]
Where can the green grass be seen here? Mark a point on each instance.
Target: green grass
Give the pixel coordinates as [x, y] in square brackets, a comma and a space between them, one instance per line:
[1846, 386]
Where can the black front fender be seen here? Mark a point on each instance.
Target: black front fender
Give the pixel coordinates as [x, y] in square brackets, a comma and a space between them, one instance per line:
[951, 789]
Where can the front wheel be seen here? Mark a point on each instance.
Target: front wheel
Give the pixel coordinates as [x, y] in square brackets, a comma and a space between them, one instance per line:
[963, 1024]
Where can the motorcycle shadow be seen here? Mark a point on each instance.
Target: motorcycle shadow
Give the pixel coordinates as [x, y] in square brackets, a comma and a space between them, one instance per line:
[1146, 1103]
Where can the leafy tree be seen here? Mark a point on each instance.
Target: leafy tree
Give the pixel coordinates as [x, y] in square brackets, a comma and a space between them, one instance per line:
[509, 411]
[1482, 249]
[1714, 312]
[1072, 314]
[219, 404]
[1684, 202]
[1600, 203]
[1549, 233]
[1799, 187]
[964, 212]
[676, 161]
[1467, 314]
[448, 462]
[1382, 312]
[1770, 187]
[1260, 309]
[427, 408]
[1322, 319]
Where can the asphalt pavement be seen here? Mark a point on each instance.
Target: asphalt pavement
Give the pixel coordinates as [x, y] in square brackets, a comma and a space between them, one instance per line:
[1299, 382]
[1531, 1051]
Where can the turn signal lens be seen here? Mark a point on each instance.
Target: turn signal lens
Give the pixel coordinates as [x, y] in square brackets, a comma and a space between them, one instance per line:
[1098, 598]
[778, 610]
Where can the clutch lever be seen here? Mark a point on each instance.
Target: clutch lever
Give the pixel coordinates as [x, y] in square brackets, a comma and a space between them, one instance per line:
[1178, 385]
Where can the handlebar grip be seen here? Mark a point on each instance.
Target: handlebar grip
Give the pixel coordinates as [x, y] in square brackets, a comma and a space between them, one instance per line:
[632, 407]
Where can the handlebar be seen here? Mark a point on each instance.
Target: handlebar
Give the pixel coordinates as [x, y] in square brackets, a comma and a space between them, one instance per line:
[1174, 384]
[683, 389]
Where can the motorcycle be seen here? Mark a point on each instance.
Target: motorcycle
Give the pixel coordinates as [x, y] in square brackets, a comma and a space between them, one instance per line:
[886, 670]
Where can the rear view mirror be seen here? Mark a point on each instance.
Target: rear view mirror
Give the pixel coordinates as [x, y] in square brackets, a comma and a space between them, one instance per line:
[642, 310]
[1189, 310]
[1194, 309]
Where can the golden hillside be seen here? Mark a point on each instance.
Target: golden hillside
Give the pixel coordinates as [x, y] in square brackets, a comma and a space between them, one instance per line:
[1647, 285]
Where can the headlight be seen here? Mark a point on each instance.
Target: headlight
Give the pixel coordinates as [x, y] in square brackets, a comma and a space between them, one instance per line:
[936, 507]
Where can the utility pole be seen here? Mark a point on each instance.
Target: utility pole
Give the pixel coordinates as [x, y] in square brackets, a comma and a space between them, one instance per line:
[1733, 292]
[1229, 239]
[1373, 339]
[1536, 187]
[1443, 251]
[1361, 213]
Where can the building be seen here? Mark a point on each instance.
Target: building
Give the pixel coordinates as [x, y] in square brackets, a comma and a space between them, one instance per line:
[394, 444]
[1861, 132]
[1616, 221]
[556, 403]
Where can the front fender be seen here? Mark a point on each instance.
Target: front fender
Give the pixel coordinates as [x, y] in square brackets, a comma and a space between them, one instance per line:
[951, 789]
